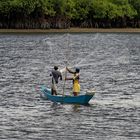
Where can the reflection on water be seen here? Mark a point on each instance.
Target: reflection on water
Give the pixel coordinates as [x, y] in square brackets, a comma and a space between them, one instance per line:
[109, 62]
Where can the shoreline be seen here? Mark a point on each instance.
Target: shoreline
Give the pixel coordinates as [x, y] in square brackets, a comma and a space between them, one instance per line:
[73, 30]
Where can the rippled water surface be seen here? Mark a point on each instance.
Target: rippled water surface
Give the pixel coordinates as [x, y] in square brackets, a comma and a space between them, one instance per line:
[109, 62]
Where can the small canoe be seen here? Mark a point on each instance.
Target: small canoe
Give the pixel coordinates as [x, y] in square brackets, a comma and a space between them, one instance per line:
[83, 98]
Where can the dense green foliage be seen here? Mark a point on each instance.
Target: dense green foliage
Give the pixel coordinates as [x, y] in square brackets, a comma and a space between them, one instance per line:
[69, 13]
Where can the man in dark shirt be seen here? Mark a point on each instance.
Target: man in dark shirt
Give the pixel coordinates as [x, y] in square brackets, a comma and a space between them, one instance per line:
[55, 76]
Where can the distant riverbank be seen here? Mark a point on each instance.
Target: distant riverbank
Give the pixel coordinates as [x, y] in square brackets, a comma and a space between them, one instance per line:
[73, 30]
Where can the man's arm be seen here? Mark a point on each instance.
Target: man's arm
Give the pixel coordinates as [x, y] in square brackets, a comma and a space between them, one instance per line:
[70, 71]
[60, 76]
[66, 78]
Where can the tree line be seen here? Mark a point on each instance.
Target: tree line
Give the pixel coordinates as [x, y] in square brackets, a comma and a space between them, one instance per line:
[47, 14]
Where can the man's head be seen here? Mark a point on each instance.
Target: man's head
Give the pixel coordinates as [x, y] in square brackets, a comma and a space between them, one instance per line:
[77, 70]
[55, 67]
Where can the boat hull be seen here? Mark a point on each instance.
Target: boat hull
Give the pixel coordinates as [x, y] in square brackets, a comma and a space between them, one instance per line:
[80, 99]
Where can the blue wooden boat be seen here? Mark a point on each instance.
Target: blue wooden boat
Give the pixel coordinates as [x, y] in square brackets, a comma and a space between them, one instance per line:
[80, 99]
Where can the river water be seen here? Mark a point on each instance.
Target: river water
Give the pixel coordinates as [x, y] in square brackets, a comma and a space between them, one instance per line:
[108, 62]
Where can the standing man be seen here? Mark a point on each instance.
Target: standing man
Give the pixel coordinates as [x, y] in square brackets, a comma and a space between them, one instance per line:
[75, 79]
[55, 76]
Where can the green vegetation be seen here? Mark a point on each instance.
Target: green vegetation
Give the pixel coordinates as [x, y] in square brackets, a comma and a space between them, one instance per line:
[46, 14]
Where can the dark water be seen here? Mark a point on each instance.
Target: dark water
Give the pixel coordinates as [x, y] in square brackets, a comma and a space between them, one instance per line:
[109, 62]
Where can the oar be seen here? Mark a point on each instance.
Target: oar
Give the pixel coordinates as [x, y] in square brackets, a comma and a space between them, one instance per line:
[64, 82]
